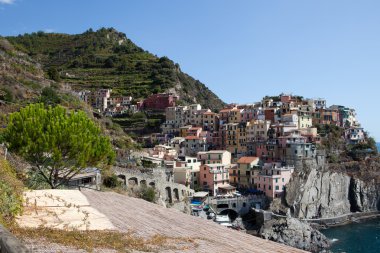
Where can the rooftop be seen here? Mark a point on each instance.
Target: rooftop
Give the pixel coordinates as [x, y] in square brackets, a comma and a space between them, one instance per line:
[247, 159]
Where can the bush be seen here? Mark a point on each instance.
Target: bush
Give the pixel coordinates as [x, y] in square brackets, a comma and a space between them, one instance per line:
[53, 74]
[111, 181]
[49, 96]
[147, 193]
[10, 193]
[6, 95]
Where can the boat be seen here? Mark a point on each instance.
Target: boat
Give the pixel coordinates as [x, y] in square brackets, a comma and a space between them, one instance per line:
[223, 220]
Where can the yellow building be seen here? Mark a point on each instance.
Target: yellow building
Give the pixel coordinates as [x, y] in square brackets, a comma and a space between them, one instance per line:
[235, 137]
[183, 131]
[210, 121]
[243, 174]
[235, 115]
[305, 121]
[257, 130]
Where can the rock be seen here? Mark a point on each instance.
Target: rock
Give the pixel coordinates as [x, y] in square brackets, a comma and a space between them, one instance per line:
[319, 190]
[292, 232]
[364, 196]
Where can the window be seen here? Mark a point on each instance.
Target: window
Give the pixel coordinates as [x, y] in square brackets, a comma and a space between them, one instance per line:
[283, 180]
[204, 175]
[277, 187]
[270, 187]
[276, 180]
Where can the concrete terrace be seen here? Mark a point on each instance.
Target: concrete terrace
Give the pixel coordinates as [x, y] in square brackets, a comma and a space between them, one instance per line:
[147, 219]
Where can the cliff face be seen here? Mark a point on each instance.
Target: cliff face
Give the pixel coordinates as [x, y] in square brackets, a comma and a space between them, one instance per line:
[364, 196]
[318, 190]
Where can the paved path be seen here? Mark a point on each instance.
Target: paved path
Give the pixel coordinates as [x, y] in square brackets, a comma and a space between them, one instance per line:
[128, 214]
[148, 219]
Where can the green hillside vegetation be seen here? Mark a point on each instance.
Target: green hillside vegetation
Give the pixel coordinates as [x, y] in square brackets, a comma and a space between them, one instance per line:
[108, 59]
[10, 193]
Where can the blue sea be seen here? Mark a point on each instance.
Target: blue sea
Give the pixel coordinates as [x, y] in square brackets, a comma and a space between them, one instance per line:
[361, 236]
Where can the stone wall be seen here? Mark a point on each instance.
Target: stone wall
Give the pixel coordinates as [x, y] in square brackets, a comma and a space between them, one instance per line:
[9, 243]
[168, 192]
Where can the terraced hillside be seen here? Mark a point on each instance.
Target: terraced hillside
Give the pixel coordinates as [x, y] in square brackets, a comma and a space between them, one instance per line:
[107, 58]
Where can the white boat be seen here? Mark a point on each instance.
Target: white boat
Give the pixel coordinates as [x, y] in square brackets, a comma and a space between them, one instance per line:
[223, 220]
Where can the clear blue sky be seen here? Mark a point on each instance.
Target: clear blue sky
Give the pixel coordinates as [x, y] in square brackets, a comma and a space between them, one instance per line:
[241, 49]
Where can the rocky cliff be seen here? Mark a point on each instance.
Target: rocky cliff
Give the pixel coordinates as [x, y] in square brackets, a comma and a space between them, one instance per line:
[294, 233]
[321, 190]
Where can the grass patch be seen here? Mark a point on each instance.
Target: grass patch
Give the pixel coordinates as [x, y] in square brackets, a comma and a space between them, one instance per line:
[121, 242]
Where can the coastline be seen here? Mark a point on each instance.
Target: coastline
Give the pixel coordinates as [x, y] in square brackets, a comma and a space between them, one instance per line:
[341, 220]
[364, 217]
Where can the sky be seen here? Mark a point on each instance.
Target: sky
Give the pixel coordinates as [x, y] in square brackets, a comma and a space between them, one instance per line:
[241, 49]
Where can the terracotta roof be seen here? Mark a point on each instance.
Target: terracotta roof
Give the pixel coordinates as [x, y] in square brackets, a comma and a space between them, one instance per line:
[247, 159]
[225, 110]
[192, 138]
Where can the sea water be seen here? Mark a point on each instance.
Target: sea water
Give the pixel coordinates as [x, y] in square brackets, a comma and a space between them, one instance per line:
[361, 236]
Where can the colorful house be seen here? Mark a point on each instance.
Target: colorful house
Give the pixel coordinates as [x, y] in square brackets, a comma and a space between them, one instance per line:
[213, 176]
[214, 156]
[159, 101]
[273, 179]
[243, 174]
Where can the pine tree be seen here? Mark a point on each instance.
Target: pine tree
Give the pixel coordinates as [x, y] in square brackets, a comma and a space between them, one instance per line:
[59, 144]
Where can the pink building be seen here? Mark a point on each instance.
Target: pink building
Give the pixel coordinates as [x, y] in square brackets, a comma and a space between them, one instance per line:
[273, 179]
[213, 176]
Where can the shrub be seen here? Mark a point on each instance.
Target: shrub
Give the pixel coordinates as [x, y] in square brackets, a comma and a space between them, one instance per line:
[111, 181]
[10, 193]
[147, 193]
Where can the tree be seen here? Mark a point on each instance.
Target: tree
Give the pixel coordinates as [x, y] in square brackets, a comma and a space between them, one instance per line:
[50, 96]
[58, 143]
[53, 74]
[109, 63]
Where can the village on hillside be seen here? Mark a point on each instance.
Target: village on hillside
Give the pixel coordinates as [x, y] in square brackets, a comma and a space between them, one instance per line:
[243, 148]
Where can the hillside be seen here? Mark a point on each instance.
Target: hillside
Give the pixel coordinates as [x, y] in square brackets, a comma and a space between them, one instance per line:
[21, 77]
[107, 58]
[23, 81]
